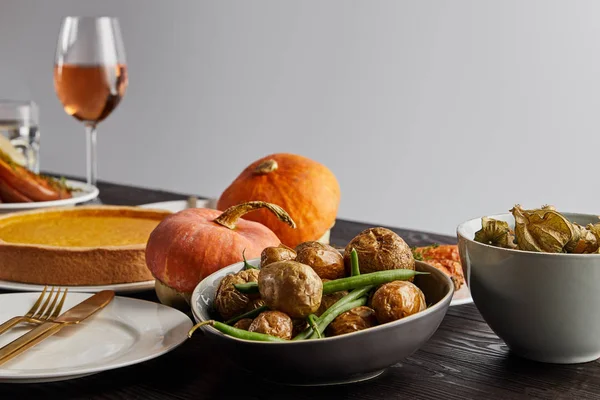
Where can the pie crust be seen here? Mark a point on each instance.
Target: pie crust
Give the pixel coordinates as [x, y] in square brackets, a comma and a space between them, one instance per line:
[117, 257]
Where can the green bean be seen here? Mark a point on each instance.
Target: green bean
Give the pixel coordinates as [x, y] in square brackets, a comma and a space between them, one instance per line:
[247, 288]
[351, 282]
[305, 333]
[353, 295]
[237, 333]
[312, 321]
[373, 278]
[247, 265]
[354, 268]
[249, 314]
[324, 321]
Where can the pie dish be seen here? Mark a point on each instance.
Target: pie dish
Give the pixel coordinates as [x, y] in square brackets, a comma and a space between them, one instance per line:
[90, 245]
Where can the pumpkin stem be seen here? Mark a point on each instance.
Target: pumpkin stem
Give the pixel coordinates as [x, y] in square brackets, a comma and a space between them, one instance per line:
[265, 167]
[230, 216]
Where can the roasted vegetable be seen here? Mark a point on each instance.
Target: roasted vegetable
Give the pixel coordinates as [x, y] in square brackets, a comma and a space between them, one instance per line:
[356, 298]
[236, 332]
[30, 185]
[18, 184]
[396, 300]
[380, 249]
[374, 278]
[327, 262]
[274, 323]
[250, 314]
[243, 323]
[290, 287]
[354, 320]
[328, 300]
[254, 304]
[273, 254]
[300, 324]
[323, 322]
[351, 282]
[229, 302]
[444, 257]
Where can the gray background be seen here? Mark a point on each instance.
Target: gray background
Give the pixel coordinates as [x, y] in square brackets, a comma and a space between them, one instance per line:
[429, 112]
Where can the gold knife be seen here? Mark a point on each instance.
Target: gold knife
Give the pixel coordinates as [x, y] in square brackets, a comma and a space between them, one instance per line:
[75, 315]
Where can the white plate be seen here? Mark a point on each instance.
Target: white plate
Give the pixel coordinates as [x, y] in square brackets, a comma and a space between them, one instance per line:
[119, 288]
[86, 193]
[461, 296]
[128, 331]
[179, 205]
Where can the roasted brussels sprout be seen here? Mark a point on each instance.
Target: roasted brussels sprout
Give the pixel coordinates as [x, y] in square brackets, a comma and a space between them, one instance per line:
[380, 249]
[357, 319]
[290, 287]
[229, 302]
[274, 323]
[273, 254]
[396, 300]
[327, 262]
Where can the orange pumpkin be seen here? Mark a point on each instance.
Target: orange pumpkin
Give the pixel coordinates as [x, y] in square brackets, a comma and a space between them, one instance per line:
[189, 245]
[306, 189]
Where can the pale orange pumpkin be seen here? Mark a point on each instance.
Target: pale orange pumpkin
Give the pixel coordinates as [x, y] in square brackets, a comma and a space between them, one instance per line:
[189, 245]
[306, 189]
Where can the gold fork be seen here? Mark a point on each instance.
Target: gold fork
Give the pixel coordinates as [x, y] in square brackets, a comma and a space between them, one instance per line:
[37, 315]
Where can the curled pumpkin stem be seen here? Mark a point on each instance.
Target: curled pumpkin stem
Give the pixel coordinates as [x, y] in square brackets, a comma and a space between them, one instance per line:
[230, 216]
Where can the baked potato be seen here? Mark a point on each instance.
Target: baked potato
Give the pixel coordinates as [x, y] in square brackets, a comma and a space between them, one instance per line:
[273, 254]
[290, 287]
[253, 304]
[380, 249]
[327, 262]
[299, 324]
[329, 299]
[243, 323]
[274, 323]
[354, 320]
[396, 300]
[229, 302]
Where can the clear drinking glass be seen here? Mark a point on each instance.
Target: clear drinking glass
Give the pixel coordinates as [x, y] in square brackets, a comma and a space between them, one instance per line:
[90, 74]
[19, 122]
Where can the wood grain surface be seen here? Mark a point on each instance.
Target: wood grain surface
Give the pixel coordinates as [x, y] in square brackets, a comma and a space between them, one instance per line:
[463, 360]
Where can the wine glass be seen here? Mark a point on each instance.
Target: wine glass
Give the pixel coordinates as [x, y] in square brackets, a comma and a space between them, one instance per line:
[90, 74]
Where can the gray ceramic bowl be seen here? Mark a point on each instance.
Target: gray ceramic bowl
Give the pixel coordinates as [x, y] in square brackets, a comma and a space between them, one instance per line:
[544, 306]
[347, 358]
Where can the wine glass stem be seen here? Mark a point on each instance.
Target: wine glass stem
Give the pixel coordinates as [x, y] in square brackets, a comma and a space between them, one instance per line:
[92, 170]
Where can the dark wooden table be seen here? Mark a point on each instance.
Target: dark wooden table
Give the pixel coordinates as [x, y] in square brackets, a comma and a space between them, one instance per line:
[463, 360]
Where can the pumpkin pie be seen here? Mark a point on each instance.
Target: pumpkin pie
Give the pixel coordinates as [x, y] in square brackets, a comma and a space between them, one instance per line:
[90, 245]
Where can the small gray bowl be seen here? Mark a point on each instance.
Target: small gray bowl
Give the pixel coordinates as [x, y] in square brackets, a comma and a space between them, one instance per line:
[544, 306]
[342, 359]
